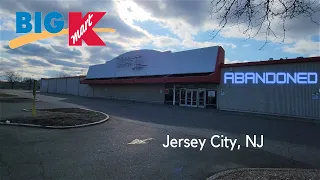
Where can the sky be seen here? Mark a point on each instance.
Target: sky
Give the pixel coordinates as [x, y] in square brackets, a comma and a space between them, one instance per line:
[160, 25]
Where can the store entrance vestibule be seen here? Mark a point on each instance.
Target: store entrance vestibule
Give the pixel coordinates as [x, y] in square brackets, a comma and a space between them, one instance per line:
[192, 97]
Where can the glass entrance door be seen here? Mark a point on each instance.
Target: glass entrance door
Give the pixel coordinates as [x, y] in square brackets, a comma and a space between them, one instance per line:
[182, 97]
[193, 97]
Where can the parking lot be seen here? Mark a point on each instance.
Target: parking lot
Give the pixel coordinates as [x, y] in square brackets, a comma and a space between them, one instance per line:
[103, 152]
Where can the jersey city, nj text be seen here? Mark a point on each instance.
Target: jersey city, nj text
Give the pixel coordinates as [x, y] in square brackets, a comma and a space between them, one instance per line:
[216, 141]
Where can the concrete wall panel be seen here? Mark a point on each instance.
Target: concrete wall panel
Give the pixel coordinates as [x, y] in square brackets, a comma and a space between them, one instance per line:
[142, 93]
[61, 86]
[85, 89]
[73, 86]
[52, 88]
[44, 85]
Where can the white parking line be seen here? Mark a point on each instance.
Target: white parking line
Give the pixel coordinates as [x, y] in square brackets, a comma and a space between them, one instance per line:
[138, 141]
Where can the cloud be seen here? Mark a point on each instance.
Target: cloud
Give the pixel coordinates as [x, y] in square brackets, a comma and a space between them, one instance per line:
[72, 71]
[184, 19]
[193, 12]
[65, 63]
[110, 20]
[101, 55]
[296, 29]
[164, 41]
[44, 51]
[35, 59]
[305, 47]
[296, 40]
[7, 25]
[227, 61]
[317, 54]
[12, 63]
[35, 62]
[54, 53]
[63, 50]
[53, 73]
[176, 16]
[114, 21]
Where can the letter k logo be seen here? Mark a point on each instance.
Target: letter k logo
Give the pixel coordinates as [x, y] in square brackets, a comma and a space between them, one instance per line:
[82, 29]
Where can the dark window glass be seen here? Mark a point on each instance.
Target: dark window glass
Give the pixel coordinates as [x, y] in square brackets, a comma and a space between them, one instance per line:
[177, 96]
[169, 95]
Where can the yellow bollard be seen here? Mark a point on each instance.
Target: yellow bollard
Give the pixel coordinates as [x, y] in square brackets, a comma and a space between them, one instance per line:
[34, 112]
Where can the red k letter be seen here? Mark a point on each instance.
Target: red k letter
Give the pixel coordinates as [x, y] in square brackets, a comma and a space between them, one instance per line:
[81, 28]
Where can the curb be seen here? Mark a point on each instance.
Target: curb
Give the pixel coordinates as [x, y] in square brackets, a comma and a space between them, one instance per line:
[223, 173]
[62, 127]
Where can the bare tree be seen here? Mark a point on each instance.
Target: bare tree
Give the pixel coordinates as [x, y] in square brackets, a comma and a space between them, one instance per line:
[259, 15]
[12, 77]
[28, 81]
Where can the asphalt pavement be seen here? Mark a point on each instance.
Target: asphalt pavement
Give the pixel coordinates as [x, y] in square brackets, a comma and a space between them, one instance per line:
[103, 152]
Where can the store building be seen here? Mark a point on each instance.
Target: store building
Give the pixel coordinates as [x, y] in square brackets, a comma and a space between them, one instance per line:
[195, 78]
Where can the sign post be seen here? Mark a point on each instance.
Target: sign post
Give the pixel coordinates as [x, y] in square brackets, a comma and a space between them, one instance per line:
[34, 113]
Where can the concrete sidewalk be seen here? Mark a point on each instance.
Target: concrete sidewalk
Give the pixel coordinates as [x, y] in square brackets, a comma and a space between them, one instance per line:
[9, 110]
[267, 174]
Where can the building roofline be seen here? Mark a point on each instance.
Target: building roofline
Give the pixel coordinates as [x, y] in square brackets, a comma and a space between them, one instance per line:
[209, 78]
[271, 62]
[65, 77]
[213, 77]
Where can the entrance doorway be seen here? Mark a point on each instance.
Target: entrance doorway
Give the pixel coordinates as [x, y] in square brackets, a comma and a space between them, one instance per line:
[193, 97]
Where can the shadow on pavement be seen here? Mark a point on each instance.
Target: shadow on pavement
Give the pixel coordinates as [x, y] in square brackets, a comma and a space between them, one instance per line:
[273, 129]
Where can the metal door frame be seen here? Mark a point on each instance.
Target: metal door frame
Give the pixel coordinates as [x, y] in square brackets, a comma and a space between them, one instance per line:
[185, 94]
[194, 92]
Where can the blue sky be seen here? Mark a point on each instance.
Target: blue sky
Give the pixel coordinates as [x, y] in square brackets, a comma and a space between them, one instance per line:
[159, 25]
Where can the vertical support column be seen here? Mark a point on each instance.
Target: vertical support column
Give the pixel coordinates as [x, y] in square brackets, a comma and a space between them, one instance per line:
[174, 95]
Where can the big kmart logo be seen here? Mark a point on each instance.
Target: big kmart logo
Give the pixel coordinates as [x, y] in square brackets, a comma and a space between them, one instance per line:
[80, 28]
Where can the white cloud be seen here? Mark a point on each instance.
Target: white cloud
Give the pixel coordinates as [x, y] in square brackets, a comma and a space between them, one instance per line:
[7, 22]
[227, 61]
[173, 15]
[315, 55]
[165, 41]
[177, 25]
[304, 47]
[7, 26]
[130, 12]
